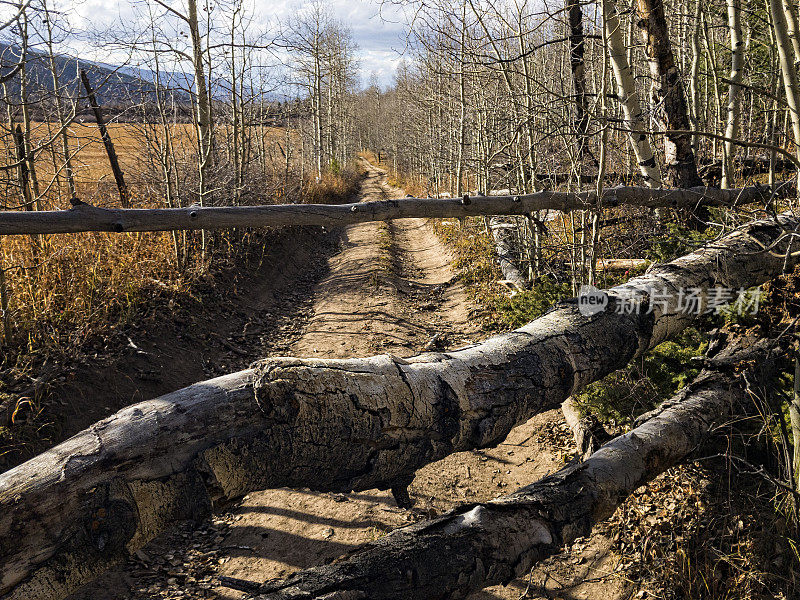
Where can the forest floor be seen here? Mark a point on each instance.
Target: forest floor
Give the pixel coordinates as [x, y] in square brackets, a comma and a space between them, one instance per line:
[388, 288]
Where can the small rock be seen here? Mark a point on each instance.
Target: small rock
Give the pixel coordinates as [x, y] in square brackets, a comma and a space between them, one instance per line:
[142, 555]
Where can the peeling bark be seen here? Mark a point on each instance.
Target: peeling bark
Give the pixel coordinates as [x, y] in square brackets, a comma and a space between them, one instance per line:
[84, 217]
[478, 545]
[339, 425]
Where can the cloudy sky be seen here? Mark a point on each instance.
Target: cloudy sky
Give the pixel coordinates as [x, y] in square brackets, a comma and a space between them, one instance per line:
[380, 32]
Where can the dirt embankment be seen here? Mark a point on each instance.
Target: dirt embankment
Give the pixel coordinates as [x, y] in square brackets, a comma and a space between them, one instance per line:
[233, 319]
[390, 289]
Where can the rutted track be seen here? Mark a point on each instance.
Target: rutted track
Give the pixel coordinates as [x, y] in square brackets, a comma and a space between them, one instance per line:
[389, 290]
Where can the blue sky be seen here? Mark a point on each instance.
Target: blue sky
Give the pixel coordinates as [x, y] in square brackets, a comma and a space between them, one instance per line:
[380, 32]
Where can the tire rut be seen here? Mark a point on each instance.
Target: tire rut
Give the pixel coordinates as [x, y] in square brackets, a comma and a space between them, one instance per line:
[390, 289]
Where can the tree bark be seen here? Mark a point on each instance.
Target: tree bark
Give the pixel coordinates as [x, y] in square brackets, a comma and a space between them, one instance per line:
[578, 69]
[587, 429]
[478, 545]
[504, 233]
[204, 116]
[339, 425]
[737, 65]
[787, 57]
[84, 217]
[629, 97]
[668, 93]
[107, 142]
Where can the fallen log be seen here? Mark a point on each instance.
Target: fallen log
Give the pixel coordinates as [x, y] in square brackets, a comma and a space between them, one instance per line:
[587, 429]
[84, 217]
[339, 425]
[745, 167]
[621, 264]
[478, 545]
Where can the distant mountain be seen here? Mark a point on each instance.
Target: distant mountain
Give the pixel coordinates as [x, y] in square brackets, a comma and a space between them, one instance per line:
[114, 86]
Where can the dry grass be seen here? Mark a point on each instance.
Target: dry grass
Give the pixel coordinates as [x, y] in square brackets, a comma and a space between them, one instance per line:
[410, 183]
[62, 289]
[92, 173]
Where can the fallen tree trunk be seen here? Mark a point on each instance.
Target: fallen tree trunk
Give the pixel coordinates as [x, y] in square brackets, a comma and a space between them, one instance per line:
[587, 429]
[83, 217]
[73, 511]
[621, 264]
[478, 545]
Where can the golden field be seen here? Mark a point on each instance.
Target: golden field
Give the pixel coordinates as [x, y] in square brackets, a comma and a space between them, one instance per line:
[60, 289]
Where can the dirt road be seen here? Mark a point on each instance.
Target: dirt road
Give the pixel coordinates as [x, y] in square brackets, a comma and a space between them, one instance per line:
[390, 289]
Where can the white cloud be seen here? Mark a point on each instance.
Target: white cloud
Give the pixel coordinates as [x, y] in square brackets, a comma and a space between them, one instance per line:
[379, 32]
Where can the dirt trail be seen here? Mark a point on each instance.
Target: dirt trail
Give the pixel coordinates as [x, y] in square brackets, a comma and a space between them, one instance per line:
[390, 289]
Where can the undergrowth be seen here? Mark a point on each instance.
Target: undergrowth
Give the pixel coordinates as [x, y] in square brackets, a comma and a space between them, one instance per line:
[63, 288]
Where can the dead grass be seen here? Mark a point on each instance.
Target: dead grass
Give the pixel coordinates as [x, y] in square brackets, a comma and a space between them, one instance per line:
[63, 288]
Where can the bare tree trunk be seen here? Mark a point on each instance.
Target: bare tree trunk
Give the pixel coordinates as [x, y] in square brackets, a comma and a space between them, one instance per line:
[62, 121]
[668, 93]
[628, 96]
[462, 106]
[694, 77]
[503, 230]
[22, 169]
[792, 29]
[119, 178]
[787, 61]
[26, 115]
[737, 64]
[203, 112]
[578, 68]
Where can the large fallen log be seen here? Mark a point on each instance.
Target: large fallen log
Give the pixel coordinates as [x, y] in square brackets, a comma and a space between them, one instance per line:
[478, 545]
[73, 511]
[83, 217]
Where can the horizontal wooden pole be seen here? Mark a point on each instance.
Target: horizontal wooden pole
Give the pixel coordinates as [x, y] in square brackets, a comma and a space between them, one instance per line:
[85, 217]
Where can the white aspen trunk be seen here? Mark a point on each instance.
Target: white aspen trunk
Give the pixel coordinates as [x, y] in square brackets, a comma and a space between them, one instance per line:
[737, 65]
[462, 116]
[68, 173]
[628, 96]
[787, 59]
[504, 234]
[792, 28]
[694, 76]
[203, 101]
